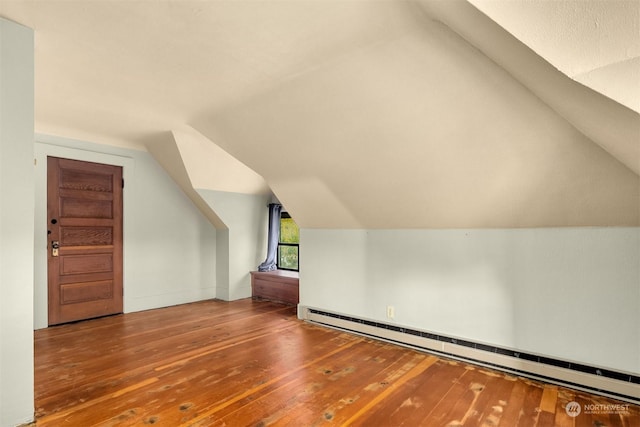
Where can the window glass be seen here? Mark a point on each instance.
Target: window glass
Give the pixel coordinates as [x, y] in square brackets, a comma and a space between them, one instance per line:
[288, 248]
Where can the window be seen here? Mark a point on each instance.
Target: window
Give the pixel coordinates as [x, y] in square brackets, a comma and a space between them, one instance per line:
[288, 246]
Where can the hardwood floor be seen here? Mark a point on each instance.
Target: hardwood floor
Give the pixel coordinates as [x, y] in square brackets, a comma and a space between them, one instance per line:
[250, 363]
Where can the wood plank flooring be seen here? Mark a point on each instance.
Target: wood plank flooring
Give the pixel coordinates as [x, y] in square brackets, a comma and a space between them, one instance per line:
[250, 363]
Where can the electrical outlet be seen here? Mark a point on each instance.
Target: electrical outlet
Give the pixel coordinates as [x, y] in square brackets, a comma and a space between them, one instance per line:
[391, 312]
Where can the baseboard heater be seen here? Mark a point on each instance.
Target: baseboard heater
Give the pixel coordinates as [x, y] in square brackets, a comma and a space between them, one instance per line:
[615, 384]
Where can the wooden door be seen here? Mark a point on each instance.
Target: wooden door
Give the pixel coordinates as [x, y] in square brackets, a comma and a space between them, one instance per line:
[84, 212]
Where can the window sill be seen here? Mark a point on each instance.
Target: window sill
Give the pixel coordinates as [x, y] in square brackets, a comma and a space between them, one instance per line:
[277, 286]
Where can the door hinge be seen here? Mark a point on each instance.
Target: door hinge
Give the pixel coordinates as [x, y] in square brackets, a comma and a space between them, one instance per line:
[122, 182]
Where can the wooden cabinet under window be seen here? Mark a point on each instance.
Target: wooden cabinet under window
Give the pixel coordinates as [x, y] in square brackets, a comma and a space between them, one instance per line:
[277, 286]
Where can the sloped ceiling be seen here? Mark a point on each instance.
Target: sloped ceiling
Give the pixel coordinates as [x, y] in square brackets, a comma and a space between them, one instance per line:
[365, 114]
[596, 43]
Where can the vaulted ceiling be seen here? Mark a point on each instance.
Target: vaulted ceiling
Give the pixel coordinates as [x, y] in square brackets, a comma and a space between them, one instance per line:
[362, 114]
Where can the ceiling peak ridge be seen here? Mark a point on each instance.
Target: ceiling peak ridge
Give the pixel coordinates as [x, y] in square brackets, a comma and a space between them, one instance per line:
[607, 123]
[602, 67]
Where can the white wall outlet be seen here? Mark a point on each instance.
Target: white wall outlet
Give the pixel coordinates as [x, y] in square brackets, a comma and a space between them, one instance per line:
[391, 312]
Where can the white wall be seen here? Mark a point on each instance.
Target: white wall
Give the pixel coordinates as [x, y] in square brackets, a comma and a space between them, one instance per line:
[16, 223]
[169, 246]
[570, 293]
[245, 240]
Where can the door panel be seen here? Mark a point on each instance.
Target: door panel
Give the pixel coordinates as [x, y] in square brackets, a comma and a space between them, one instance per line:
[85, 240]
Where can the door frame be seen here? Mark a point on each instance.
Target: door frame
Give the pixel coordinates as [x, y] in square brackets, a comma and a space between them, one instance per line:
[60, 147]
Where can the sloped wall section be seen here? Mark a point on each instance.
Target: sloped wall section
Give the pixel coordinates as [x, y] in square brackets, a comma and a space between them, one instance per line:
[233, 197]
[425, 131]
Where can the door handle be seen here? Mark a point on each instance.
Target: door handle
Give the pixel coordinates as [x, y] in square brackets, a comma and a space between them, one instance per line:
[55, 245]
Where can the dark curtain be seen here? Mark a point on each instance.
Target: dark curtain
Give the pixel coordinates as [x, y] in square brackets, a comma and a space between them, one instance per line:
[274, 237]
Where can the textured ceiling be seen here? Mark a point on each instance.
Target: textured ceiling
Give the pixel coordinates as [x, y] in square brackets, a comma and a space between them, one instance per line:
[120, 71]
[597, 43]
[424, 107]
